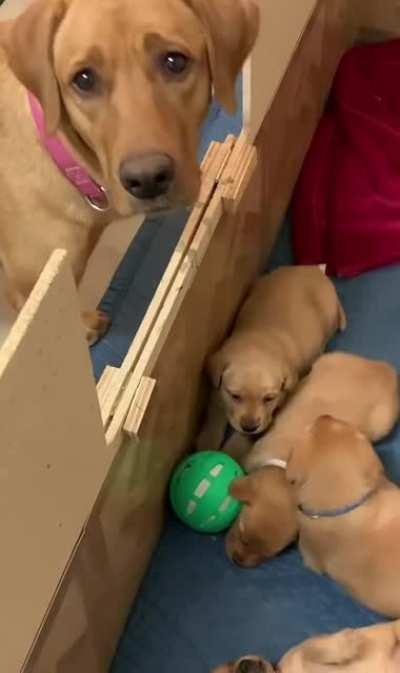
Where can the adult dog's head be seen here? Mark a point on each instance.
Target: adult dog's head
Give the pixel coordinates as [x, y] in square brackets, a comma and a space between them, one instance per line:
[128, 83]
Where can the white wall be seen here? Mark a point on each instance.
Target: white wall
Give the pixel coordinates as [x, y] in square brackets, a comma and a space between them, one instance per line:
[283, 23]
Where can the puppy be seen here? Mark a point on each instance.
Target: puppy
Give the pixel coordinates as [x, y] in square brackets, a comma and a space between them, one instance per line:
[282, 327]
[348, 513]
[361, 391]
[267, 523]
[247, 664]
[374, 649]
[126, 95]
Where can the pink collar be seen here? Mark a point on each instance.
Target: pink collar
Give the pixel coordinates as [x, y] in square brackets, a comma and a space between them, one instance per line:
[71, 169]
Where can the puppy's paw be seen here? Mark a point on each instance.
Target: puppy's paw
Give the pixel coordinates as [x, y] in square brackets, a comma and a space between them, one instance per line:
[96, 325]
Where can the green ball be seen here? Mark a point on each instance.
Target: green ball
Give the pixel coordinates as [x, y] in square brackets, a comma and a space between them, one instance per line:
[199, 491]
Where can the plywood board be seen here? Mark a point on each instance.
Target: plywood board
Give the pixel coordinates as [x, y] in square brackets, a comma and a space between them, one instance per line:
[282, 25]
[53, 457]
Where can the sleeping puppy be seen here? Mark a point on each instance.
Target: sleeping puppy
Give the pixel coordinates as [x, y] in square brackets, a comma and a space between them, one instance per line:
[248, 664]
[348, 513]
[126, 94]
[374, 649]
[361, 391]
[282, 327]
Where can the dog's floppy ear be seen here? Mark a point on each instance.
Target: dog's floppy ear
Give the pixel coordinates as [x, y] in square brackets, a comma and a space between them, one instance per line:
[28, 42]
[290, 380]
[216, 364]
[231, 28]
[297, 465]
[340, 648]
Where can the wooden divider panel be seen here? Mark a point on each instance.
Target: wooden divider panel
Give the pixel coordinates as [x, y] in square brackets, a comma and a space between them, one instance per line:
[53, 456]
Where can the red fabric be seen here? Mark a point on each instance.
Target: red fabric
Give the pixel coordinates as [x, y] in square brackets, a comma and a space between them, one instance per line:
[346, 206]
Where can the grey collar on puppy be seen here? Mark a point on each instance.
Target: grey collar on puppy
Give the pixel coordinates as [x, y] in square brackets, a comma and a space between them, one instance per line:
[340, 511]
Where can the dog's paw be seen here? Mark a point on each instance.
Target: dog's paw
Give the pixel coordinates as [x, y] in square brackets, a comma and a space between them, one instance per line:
[96, 325]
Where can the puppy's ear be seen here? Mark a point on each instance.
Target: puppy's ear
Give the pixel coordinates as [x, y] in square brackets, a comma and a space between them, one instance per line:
[340, 648]
[230, 28]
[290, 380]
[243, 490]
[28, 42]
[297, 466]
[216, 365]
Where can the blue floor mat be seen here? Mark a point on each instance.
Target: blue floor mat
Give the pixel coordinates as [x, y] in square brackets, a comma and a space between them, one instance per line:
[195, 609]
[135, 281]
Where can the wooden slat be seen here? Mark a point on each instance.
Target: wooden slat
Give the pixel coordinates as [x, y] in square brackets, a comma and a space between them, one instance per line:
[213, 164]
[105, 387]
[139, 407]
[233, 194]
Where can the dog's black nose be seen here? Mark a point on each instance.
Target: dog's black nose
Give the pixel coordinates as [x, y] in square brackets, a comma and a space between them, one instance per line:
[251, 666]
[147, 176]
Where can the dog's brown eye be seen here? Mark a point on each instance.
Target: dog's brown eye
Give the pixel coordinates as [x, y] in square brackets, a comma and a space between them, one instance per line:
[175, 62]
[235, 397]
[85, 80]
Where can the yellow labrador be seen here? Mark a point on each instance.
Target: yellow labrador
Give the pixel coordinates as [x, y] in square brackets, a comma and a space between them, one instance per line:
[361, 391]
[282, 327]
[125, 85]
[374, 649]
[348, 513]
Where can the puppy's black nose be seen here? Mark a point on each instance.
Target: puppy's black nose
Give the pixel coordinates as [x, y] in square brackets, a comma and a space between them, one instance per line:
[146, 176]
[249, 427]
[251, 666]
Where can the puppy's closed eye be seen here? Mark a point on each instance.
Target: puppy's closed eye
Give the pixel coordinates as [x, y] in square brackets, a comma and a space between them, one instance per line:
[269, 398]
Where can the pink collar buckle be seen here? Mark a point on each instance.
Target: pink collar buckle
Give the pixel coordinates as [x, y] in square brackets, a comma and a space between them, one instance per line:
[94, 194]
